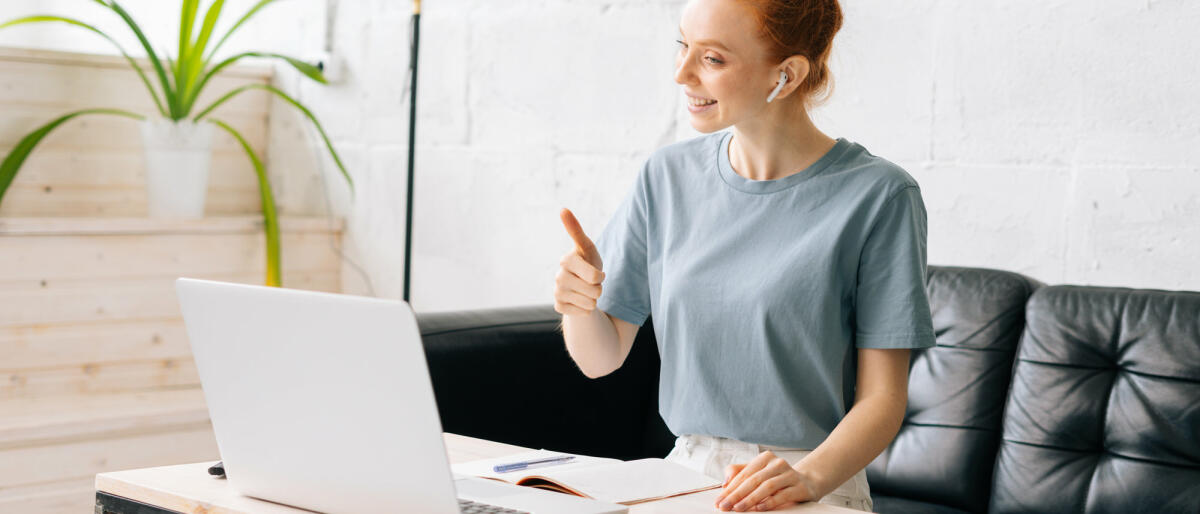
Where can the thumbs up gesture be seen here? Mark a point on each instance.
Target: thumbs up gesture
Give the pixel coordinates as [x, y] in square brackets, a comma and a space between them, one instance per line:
[578, 282]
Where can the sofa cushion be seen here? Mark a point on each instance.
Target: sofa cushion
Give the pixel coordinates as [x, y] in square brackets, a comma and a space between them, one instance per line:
[894, 504]
[504, 374]
[1104, 410]
[945, 450]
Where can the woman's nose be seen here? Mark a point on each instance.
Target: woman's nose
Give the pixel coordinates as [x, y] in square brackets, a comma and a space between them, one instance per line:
[683, 72]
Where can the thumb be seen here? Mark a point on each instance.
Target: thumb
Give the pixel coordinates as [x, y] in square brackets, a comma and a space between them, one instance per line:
[582, 243]
[731, 471]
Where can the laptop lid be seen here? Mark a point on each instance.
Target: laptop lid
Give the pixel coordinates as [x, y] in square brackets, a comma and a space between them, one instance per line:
[318, 400]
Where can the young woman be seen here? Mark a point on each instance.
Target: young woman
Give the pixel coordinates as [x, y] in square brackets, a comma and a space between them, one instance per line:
[785, 270]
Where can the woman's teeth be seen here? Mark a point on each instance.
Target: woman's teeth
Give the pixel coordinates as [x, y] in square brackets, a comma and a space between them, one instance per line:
[698, 102]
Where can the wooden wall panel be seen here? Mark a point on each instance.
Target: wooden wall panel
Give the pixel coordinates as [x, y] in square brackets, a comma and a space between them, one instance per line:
[90, 306]
[96, 373]
[71, 496]
[54, 258]
[51, 447]
[39, 464]
[93, 165]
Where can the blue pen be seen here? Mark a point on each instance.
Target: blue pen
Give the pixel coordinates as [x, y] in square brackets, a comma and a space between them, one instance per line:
[516, 466]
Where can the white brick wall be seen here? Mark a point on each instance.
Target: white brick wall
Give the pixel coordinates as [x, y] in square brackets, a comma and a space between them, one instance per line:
[1060, 140]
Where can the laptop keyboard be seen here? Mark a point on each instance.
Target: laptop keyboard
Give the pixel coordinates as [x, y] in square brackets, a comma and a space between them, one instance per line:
[470, 507]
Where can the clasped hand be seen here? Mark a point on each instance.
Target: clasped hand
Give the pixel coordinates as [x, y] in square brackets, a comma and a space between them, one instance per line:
[764, 483]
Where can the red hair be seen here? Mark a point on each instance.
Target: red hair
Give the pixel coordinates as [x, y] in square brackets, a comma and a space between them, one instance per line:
[801, 27]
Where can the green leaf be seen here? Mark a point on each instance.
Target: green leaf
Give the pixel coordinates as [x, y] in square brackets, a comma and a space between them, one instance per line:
[258, 6]
[50, 18]
[171, 66]
[187, 19]
[192, 68]
[210, 22]
[172, 96]
[295, 104]
[16, 157]
[307, 69]
[270, 220]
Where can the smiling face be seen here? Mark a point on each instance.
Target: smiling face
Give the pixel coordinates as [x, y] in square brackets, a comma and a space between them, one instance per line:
[722, 59]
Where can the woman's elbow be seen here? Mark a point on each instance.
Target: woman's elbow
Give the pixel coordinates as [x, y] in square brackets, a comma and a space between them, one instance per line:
[593, 371]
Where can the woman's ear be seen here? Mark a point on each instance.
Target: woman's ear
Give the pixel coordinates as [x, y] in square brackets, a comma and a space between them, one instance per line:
[797, 68]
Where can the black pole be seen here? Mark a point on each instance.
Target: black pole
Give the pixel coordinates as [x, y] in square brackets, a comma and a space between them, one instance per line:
[412, 137]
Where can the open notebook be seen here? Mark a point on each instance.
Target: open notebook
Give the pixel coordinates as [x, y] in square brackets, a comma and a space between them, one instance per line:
[610, 480]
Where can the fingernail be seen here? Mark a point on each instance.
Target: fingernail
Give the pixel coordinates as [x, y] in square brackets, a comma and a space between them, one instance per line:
[725, 506]
[739, 507]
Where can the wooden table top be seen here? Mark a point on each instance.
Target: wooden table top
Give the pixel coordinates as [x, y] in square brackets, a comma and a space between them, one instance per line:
[188, 487]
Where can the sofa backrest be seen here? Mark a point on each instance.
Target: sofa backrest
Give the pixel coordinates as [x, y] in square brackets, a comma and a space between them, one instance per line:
[1104, 410]
[504, 375]
[945, 450]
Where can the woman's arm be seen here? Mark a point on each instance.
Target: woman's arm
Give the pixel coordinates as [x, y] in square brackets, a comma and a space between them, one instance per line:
[598, 342]
[880, 399]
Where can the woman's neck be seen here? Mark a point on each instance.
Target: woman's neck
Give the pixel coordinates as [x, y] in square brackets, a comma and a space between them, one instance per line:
[770, 149]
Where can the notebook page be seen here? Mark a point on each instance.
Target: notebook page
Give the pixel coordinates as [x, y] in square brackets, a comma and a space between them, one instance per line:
[630, 482]
[483, 467]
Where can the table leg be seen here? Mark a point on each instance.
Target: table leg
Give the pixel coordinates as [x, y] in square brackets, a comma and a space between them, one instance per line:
[111, 504]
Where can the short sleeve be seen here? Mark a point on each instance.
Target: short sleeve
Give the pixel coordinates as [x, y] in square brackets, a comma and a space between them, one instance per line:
[891, 302]
[625, 292]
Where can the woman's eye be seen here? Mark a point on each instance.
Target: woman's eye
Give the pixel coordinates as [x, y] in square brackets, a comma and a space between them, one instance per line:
[711, 60]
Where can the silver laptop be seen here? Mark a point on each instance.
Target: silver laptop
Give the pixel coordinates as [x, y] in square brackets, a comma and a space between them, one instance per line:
[323, 401]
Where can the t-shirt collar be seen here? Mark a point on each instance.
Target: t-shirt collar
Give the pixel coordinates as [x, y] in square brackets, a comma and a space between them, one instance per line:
[770, 186]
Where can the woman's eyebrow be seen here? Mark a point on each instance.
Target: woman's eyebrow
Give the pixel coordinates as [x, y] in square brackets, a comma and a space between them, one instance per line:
[709, 42]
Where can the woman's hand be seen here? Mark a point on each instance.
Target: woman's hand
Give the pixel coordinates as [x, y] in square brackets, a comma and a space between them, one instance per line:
[764, 483]
[580, 277]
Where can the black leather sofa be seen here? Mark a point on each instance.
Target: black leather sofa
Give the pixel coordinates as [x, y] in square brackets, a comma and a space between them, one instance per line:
[1036, 398]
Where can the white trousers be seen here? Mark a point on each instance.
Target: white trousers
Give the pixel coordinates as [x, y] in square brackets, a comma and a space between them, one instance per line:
[710, 455]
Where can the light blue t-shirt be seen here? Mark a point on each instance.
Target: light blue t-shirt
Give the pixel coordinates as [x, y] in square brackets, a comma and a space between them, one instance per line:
[762, 289]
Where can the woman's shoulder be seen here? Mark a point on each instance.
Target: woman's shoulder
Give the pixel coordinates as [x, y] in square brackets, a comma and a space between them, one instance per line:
[875, 172]
[699, 149]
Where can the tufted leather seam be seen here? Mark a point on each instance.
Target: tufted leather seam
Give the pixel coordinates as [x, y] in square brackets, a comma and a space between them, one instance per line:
[1069, 365]
[939, 425]
[1048, 447]
[1115, 340]
[1163, 377]
[1087, 493]
[1008, 391]
[1148, 461]
[1030, 287]
[487, 327]
[966, 388]
[1117, 369]
[1102, 451]
[1003, 316]
[968, 348]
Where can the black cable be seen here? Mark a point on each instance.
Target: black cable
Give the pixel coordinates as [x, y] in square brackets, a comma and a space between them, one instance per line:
[412, 133]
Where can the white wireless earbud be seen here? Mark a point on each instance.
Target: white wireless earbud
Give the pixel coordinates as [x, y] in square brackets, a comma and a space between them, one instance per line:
[782, 81]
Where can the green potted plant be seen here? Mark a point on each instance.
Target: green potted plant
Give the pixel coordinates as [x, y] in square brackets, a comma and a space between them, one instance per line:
[178, 142]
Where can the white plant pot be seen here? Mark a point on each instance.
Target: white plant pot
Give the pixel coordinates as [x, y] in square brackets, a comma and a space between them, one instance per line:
[177, 163]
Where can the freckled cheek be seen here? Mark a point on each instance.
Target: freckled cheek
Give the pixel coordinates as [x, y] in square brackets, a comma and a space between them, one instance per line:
[729, 92]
